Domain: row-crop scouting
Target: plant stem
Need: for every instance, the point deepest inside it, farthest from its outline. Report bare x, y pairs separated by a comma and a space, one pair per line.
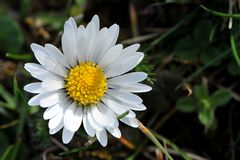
149, 134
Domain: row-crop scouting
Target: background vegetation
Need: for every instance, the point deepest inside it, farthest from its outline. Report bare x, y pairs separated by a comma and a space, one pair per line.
191, 49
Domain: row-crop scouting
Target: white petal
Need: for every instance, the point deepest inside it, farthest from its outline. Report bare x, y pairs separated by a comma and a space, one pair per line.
52, 99
136, 88
69, 41
34, 87
131, 114
101, 37
119, 107
78, 116
35, 47
92, 122
113, 34
49, 63
111, 55
125, 96
113, 121
67, 135
95, 20
50, 112
88, 128
128, 78
55, 121
99, 117
52, 85
91, 36
39, 72
36, 100
130, 49
130, 121
57, 54
113, 105
115, 132
102, 137
69, 117
110, 40
138, 107
58, 119
57, 128
50, 50
123, 65
82, 44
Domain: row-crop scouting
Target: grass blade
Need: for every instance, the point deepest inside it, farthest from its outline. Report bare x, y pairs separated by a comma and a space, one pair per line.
11, 152
170, 31
234, 48
220, 14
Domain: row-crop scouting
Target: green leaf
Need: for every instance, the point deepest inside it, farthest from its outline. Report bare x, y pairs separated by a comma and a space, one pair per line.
186, 49
201, 92
3, 141
11, 152
206, 117
219, 57
122, 115
186, 104
184, 21
25, 6
52, 19
234, 48
22, 108
205, 103
233, 69
80, 2
15, 88
202, 33
11, 37
19, 56
220, 14
209, 54
178, 1
10, 100
220, 97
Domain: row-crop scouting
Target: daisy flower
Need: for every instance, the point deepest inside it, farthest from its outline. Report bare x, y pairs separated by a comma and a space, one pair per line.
87, 83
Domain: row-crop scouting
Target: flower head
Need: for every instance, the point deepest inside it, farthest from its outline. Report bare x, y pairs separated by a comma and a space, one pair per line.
88, 82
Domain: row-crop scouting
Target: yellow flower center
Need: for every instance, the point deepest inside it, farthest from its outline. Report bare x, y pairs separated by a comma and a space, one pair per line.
86, 83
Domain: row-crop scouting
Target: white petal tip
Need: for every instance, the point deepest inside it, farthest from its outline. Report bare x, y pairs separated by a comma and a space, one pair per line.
95, 18
104, 144
67, 136
71, 19
25, 88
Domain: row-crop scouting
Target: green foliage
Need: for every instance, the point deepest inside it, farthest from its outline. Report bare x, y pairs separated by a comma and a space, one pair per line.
186, 105
10, 100
201, 92
220, 14
16, 56
220, 97
198, 45
233, 69
11, 152
52, 19
232, 38
25, 6
11, 37
4, 142
42, 136
234, 48
204, 104
16, 103
147, 67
